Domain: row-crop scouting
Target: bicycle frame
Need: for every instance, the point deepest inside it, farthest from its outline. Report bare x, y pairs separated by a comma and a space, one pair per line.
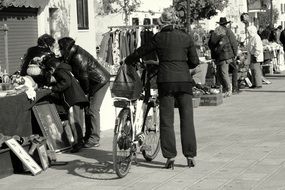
138, 107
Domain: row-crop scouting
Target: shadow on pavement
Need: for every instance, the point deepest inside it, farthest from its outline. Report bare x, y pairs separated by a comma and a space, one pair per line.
155, 164
101, 168
267, 91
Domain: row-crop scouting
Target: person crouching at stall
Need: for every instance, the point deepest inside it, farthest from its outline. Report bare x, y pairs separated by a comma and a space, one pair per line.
70, 92
31, 63
94, 80
255, 52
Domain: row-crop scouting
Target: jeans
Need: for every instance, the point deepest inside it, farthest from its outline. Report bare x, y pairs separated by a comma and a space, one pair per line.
167, 134
93, 115
256, 74
223, 75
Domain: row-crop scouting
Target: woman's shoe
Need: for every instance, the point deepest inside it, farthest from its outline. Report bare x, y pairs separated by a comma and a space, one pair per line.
191, 162
169, 163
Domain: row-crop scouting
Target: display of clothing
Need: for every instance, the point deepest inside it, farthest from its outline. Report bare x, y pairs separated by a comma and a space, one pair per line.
117, 45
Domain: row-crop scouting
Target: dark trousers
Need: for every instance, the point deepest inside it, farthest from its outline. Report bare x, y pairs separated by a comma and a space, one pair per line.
223, 75
93, 115
234, 68
167, 134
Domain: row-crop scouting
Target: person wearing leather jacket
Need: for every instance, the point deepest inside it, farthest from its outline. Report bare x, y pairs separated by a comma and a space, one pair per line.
94, 80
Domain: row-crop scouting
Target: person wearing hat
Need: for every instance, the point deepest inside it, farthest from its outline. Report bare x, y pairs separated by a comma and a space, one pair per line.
224, 48
177, 54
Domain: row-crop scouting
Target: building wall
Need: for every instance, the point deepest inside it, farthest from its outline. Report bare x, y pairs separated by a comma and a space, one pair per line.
280, 5
64, 19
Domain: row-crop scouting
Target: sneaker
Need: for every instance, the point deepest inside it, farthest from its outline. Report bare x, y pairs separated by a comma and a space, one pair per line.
89, 144
235, 92
227, 94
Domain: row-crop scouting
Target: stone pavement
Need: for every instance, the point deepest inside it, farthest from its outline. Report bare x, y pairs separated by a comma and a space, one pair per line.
241, 145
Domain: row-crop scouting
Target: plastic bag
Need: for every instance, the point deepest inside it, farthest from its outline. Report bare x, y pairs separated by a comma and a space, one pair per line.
127, 83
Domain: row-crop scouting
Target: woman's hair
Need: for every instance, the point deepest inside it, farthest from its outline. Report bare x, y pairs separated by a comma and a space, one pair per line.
66, 43
46, 40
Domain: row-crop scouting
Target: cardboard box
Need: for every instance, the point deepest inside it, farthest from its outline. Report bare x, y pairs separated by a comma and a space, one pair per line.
196, 102
211, 99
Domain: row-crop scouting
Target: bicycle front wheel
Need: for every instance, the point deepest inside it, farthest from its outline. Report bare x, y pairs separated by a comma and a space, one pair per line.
152, 136
122, 143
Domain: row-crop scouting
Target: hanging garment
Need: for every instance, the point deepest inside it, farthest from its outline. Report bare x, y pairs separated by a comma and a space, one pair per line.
116, 48
109, 57
104, 46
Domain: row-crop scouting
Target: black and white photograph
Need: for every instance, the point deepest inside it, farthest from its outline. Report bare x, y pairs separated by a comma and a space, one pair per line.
143, 94
51, 126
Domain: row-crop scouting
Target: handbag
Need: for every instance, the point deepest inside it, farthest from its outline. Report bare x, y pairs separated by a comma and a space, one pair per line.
127, 83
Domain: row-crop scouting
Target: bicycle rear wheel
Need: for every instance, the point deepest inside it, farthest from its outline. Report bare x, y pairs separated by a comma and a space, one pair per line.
151, 145
122, 143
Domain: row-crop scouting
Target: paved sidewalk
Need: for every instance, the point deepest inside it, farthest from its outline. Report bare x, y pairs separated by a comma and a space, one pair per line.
241, 145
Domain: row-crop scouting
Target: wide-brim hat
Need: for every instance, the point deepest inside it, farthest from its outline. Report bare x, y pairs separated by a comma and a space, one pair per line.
168, 16
223, 21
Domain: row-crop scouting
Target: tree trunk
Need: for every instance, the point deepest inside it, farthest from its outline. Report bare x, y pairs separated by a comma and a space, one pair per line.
188, 17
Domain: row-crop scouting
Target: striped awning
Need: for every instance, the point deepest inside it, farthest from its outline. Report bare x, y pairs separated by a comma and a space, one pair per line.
25, 3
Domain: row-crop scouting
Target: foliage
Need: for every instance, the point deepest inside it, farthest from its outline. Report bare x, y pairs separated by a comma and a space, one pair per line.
199, 9
265, 17
1, 4
114, 6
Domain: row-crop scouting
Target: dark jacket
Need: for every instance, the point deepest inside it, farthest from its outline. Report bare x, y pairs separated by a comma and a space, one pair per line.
86, 69
176, 53
223, 48
67, 86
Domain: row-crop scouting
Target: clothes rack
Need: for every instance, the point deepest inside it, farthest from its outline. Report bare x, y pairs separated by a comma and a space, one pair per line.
134, 26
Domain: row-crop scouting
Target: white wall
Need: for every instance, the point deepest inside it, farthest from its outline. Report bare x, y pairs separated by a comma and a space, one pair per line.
84, 38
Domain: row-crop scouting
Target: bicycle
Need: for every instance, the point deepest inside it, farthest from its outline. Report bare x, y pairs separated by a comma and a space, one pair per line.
136, 127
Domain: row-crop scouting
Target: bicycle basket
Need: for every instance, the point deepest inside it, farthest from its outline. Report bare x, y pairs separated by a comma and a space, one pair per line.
127, 83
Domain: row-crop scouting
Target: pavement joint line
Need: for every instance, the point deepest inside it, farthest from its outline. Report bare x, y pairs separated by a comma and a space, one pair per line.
254, 163
267, 177
243, 171
227, 163
133, 181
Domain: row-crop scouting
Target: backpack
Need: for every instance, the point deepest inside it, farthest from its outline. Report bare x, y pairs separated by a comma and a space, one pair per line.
222, 43
219, 43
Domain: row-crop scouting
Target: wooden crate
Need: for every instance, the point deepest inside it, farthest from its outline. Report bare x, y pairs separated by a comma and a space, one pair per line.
196, 102
6, 166
211, 99
210, 81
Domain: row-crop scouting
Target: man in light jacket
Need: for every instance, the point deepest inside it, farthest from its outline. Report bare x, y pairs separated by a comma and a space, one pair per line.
255, 55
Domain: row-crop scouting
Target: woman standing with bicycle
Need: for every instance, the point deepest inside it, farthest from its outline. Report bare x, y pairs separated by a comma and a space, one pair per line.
177, 54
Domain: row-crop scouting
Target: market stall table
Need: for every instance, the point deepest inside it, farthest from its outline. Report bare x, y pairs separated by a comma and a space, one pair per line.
16, 114
16, 119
